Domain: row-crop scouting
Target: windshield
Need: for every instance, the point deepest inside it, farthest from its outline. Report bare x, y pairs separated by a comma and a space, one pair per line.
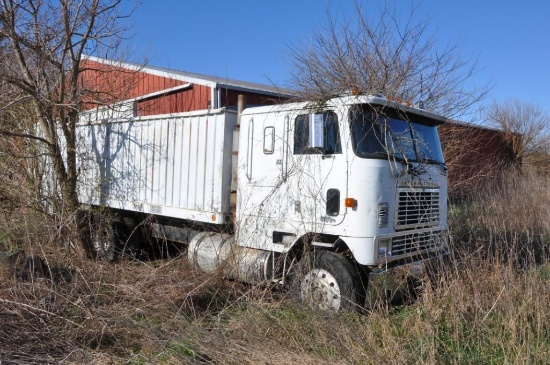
382, 133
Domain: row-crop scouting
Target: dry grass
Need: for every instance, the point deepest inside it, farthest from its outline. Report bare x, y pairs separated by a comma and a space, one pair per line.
483, 309
510, 218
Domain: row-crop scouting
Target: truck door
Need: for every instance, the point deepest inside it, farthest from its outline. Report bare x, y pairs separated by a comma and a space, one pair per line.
259, 208
317, 173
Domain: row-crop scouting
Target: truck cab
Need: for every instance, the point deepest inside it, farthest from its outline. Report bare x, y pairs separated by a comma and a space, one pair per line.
358, 182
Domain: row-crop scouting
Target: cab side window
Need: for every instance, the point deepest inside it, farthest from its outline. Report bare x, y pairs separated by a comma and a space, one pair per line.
328, 134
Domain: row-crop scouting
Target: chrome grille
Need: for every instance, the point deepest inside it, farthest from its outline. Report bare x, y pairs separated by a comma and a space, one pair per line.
417, 208
416, 243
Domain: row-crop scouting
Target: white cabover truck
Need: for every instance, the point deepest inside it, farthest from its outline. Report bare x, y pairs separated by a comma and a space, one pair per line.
338, 197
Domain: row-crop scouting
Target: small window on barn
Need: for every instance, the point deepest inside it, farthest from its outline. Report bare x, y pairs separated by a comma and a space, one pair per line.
269, 140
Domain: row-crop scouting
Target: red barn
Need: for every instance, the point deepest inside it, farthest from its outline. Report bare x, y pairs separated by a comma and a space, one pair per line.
474, 154
160, 91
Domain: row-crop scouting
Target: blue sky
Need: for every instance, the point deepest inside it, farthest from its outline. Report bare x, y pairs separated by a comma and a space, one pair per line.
248, 40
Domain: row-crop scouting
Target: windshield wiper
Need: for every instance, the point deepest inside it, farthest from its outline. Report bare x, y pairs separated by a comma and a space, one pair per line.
433, 162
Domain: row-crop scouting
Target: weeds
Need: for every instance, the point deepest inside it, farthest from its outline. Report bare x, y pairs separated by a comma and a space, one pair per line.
509, 219
489, 306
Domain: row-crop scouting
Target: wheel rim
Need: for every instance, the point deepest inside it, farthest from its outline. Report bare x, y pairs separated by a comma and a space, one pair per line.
320, 290
103, 244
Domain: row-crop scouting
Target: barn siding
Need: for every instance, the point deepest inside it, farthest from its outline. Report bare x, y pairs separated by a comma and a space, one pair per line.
110, 84
473, 155
199, 98
196, 98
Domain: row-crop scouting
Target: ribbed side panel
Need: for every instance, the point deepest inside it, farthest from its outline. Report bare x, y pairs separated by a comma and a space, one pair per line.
177, 166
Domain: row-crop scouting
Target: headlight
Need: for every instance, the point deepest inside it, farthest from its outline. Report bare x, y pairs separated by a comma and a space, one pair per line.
384, 248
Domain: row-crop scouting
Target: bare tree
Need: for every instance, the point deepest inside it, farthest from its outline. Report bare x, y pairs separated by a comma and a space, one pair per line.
527, 129
387, 54
43, 44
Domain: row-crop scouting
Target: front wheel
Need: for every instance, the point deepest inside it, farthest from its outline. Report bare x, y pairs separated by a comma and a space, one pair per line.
331, 283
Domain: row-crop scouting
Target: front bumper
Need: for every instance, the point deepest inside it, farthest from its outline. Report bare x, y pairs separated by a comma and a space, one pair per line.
400, 245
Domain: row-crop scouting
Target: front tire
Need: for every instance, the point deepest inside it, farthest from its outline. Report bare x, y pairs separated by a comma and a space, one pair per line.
331, 283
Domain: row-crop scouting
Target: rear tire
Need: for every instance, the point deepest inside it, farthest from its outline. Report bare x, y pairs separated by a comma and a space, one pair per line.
103, 237
331, 283
128, 237
115, 237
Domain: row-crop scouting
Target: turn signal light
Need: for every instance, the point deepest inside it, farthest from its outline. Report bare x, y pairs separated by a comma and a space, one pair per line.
350, 203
